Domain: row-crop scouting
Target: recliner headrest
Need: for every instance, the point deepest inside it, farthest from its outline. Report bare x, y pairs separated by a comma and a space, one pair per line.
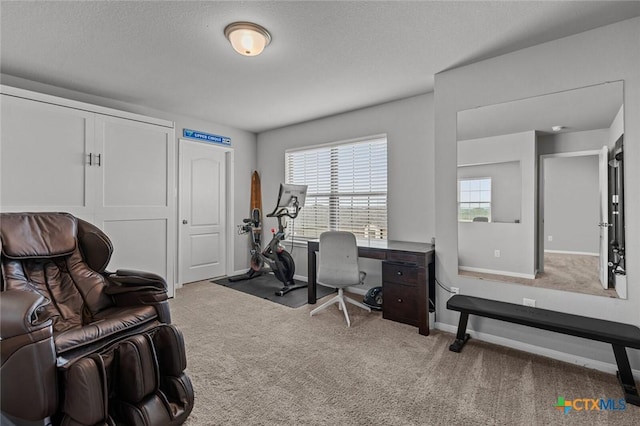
37, 235
96, 247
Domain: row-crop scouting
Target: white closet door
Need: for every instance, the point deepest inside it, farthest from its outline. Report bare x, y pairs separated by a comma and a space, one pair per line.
44, 156
136, 194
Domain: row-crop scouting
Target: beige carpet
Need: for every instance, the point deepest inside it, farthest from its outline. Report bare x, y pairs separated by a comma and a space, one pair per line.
254, 362
567, 272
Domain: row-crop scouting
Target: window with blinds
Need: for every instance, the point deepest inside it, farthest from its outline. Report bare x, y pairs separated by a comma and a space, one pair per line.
347, 188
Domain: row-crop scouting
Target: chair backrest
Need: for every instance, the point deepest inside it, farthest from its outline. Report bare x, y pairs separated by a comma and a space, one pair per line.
338, 259
59, 257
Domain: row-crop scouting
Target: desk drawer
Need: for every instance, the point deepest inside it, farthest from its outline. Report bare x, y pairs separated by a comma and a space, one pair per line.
400, 303
400, 273
399, 256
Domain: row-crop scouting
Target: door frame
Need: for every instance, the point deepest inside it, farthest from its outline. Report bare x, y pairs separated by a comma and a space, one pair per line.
229, 211
541, 193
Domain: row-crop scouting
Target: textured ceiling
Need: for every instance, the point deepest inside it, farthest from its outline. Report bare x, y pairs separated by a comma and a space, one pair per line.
325, 57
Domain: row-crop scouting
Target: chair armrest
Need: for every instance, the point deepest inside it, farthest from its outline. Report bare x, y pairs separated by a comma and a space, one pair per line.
127, 281
19, 311
133, 288
27, 357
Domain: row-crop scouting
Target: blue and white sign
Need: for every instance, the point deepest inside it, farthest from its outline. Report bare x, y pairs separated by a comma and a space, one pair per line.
206, 137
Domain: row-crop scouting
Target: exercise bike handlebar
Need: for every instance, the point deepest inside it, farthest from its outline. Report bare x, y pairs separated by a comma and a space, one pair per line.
284, 211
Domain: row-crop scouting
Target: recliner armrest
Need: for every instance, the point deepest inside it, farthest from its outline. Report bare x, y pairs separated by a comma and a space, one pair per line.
126, 281
132, 288
20, 313
27, 357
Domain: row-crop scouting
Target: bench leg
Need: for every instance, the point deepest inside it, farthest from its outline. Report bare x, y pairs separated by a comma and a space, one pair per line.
461, 336
625, 375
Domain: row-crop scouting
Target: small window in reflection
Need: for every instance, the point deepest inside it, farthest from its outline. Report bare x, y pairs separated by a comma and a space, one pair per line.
474, 200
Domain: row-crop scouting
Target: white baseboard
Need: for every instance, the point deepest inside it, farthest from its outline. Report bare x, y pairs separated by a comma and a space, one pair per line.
496, 272
300, 278
240, 272
581, 253
537, 350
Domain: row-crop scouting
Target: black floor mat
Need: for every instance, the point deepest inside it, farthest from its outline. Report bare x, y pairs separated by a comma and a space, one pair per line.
266, 285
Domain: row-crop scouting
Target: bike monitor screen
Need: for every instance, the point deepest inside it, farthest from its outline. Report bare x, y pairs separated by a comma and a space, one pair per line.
288, 192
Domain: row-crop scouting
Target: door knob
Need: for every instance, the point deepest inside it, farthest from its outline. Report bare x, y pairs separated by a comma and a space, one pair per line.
184, 221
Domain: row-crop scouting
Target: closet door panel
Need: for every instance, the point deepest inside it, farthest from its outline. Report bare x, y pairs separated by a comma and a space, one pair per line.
44, 157
134, 247
135, 164
135, 194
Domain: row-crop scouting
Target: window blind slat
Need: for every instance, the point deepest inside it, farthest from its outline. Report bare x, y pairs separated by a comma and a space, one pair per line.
347, 188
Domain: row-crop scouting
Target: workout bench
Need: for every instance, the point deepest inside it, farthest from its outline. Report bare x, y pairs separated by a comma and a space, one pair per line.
619, 335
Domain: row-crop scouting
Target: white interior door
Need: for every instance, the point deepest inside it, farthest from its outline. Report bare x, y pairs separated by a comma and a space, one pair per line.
202, 211
604, 216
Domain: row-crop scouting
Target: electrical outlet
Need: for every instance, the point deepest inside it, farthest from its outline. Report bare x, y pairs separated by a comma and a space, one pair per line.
454, 290
550, 238
529, 302
496, 253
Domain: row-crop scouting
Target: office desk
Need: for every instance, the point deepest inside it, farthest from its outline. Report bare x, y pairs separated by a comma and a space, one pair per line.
405, 265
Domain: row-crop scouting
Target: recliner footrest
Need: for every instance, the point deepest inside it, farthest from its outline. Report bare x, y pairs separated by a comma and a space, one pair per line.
86, 395
172, 361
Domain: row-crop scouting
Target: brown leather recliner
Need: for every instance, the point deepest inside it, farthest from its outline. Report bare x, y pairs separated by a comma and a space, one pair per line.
79, 345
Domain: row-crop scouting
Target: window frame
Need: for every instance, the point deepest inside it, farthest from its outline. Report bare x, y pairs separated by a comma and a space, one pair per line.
489, 203
334, 195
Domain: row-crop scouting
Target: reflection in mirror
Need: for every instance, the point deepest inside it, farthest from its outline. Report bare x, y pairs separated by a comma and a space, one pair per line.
540, 191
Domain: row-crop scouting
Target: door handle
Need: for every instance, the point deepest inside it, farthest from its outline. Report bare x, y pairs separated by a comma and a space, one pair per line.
184, 221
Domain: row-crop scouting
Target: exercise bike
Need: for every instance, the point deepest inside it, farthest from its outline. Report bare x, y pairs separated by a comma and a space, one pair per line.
291, 199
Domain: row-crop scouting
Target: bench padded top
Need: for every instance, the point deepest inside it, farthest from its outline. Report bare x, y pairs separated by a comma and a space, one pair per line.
616, 333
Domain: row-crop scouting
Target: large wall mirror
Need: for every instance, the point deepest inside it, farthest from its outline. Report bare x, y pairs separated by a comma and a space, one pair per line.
541, 191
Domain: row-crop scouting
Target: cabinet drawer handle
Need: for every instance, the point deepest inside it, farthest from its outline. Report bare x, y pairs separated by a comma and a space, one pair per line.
90, 159
399, 273
399, 300
98, 160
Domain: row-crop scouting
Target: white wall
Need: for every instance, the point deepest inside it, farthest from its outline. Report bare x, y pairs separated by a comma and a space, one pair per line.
572, 204
242, 142
573, 141
608, 53
617, 127
516, 242
408, 124
506, 188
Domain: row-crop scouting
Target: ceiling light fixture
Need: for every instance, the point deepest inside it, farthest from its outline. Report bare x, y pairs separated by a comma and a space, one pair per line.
557, 128
247, 38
